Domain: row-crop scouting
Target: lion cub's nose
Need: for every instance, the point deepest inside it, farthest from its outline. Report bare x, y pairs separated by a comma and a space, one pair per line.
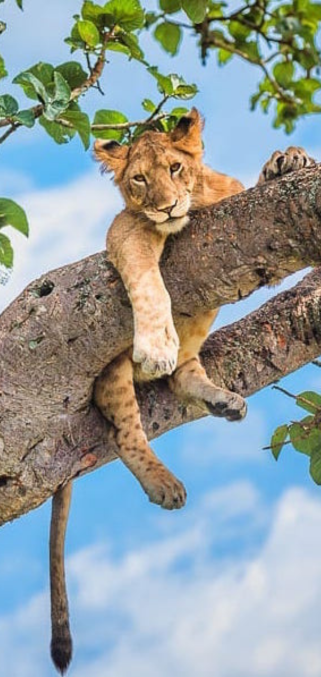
167, 208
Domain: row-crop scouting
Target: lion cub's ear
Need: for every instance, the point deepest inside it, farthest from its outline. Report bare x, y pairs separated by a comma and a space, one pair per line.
112, 155
187, 135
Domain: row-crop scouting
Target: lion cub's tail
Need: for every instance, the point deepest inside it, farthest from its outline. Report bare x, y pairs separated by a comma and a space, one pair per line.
61, 642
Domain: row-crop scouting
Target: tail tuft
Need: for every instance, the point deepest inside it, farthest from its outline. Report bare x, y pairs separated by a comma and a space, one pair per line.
61, 651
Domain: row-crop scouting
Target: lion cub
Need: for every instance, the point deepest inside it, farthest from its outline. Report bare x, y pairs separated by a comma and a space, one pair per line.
161, 177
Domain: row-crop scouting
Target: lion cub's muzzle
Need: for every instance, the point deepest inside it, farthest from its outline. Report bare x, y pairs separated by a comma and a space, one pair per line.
171, 217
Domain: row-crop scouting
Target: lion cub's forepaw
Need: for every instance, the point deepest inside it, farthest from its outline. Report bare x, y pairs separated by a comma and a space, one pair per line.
157, 353
226, 404
282, 163
163, 488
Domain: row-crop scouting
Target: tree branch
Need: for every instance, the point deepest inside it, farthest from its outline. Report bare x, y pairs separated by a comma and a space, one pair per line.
57, 336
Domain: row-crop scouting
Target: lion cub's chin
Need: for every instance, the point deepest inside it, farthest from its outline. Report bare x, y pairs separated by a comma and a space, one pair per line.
172, 225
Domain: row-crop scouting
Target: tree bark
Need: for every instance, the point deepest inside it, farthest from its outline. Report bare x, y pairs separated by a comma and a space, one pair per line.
59, 333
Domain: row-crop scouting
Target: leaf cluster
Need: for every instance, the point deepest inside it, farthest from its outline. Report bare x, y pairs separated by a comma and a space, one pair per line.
11, 214
303, 435
279, 38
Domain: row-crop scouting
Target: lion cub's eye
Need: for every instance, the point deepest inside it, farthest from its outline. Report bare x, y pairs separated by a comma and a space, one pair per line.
139, 178
175, 167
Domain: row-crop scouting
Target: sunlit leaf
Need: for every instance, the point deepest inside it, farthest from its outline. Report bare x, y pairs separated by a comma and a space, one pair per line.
80, 122
11, 214
169, 36
88, 32
277, 441
6, 251
128, 14
8, 106
73, 73
109, 117
310, 401
195, 9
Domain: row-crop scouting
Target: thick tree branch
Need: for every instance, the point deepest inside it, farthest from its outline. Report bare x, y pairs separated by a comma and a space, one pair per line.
56, 337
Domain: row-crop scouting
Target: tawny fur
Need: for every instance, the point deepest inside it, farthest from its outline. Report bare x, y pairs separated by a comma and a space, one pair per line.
161, 177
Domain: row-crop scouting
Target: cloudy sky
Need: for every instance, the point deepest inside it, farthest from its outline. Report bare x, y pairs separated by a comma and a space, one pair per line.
231, 585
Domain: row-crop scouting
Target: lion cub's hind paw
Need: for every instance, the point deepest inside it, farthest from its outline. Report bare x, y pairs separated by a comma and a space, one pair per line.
281, 163
164, 489
230, 406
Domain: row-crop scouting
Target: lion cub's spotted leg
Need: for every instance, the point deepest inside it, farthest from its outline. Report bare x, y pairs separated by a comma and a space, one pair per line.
190, 381
116, 399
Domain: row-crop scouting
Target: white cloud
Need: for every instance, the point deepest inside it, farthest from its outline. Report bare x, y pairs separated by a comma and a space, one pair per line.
213, 440
189, 603
66, 223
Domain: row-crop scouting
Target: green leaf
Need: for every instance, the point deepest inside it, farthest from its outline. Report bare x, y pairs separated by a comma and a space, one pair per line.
185, 91
57, 132
109, 117
300, 435
172, 85
251, 49
43, 72
305, 87
62, 90
278, 438
216, 10
88, 32
283, 73
170, 6
164, 82
178, 112
148, 105
195, 9
33, 87
73, 73
91, 12
6, 251
3, 70
11, 214
315, 466
169, 36
150, 19
25, 117
223, 56
310, 401
54, 109
80, 122
19, 3
239, 31
128, 14
75, 39
8, 106
119, 47
133, 45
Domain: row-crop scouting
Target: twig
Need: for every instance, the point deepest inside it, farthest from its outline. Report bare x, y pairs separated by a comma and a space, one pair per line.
285, 392
8, 132
127, 125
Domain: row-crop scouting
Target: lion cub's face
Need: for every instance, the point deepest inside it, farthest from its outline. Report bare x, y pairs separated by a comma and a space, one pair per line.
157, 173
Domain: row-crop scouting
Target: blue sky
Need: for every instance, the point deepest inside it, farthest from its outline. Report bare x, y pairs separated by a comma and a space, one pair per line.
231, 585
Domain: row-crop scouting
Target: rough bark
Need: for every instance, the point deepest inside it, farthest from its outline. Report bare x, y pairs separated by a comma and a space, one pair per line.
56, 337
